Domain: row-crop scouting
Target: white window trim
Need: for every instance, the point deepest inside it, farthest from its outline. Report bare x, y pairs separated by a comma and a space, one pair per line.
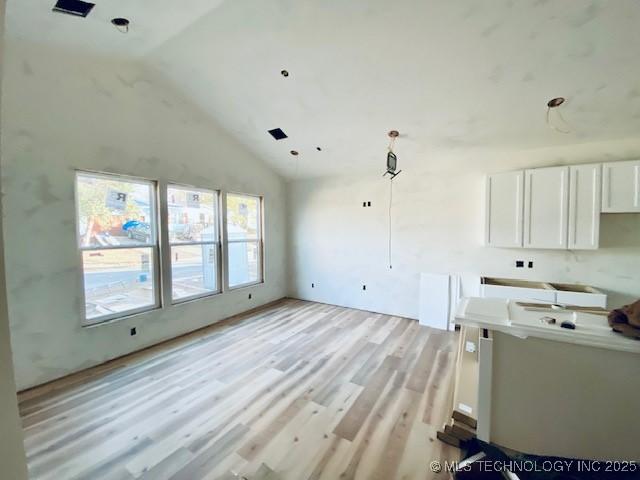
155, 248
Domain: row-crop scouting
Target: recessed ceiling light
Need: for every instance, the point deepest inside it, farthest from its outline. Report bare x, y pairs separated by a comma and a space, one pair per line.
284, 73
121, 24
294, 152
555, 102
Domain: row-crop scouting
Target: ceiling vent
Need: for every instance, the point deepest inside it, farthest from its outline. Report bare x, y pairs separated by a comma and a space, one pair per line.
73, 7
278, 134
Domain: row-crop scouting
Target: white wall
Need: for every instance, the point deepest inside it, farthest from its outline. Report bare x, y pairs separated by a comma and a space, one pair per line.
438, 226
62, 112
12, 455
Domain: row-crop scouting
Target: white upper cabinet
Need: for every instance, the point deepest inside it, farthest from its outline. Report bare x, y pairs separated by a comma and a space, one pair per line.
585, 184
621, 187
504, 209
546, 207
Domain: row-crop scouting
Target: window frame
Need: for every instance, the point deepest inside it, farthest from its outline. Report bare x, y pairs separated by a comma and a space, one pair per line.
154, 246
218, 242
259, 241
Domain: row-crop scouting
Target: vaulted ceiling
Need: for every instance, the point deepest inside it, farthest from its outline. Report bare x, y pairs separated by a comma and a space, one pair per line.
448, 75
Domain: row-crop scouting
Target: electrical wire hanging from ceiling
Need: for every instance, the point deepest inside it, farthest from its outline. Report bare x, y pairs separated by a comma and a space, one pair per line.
553, 104
390, 220
295, 154
392, 165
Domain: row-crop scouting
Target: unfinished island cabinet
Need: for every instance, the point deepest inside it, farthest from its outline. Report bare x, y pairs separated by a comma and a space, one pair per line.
585, 194
546, 207
512, 289
504, 197
580, 295
621, 187
532, 291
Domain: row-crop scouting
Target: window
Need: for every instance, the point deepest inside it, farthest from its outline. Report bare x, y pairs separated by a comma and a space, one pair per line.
244, 240
117, 237
194, 242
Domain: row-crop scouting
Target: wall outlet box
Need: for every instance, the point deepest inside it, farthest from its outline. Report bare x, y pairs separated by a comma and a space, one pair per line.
470, 347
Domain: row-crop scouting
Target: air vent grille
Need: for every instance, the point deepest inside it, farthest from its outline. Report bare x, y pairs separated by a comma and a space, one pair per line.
77, 8
278, 134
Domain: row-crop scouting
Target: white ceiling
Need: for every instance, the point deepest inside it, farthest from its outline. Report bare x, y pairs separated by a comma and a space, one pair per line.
153, 22
447, 74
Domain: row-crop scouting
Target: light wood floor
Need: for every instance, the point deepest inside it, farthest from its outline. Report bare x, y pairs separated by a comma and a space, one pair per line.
296, 391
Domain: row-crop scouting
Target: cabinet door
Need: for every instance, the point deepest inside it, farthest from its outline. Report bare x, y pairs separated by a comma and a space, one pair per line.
546, 194
621, 187
585, 193
504, 209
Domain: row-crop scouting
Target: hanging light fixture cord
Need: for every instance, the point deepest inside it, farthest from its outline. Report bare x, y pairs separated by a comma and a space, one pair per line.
559, 115
392, 142
390, 218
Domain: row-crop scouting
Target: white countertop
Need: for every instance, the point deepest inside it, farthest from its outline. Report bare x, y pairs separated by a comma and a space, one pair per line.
507, 317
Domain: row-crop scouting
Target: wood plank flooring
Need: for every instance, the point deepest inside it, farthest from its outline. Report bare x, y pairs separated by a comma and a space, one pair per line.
298, 390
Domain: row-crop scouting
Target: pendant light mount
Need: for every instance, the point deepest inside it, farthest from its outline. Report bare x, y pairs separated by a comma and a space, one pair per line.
392, 160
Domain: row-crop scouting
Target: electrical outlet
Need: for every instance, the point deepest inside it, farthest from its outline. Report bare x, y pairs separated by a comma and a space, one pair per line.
133, 332
519, 263
364, 204
530, 265
368, 204
364, 287
249, 296
313, 285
